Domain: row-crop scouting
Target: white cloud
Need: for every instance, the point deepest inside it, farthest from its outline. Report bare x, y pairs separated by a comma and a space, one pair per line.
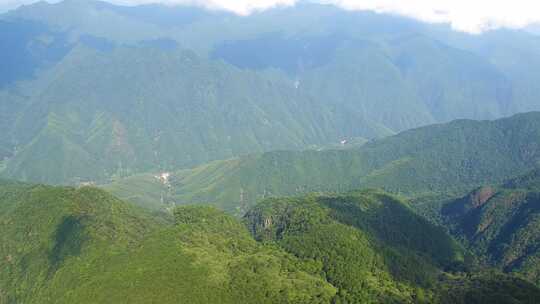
465, 15
241, 7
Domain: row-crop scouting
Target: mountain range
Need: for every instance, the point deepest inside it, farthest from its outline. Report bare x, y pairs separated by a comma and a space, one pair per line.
111, 91
428, 164
500, 223
69, 245
300, 154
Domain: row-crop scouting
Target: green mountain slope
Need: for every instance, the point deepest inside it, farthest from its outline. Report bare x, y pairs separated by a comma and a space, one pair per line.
160, 109
83, 17
374, 249
501, 224
514, 54
69, 245
63, 245
448, 159
488, 288
114, 91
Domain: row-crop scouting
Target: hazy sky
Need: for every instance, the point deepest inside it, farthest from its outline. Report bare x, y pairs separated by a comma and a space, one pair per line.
465, 15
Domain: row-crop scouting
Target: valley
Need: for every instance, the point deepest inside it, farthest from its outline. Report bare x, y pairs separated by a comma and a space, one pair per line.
305, 152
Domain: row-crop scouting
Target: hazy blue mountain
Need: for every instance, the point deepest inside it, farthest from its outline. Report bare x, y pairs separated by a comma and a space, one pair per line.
137, 109
113, 91
26, 47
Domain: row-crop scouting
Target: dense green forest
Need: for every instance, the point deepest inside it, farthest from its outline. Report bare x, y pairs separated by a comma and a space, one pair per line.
81, 245
501, 224
372, 247
428, 164
300, 154
92, 91
64, 245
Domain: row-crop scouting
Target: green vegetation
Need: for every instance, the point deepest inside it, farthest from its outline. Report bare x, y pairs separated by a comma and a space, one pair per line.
488, 288
429, 164
147, 122
501, 224
69, 245
151, 192
93, 91
64, 245
371, 246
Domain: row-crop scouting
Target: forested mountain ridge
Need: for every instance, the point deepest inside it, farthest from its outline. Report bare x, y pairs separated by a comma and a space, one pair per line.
65, 245
447, 159
114, 91
68, 245
500, 224
373, 248
358, 222
203, 112
299, 154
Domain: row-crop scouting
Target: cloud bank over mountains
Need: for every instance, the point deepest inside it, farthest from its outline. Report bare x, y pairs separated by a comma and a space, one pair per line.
464, 15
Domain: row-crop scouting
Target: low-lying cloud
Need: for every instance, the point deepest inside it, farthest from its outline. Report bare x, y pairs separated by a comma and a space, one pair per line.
465, 15
473, 16
241, 7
